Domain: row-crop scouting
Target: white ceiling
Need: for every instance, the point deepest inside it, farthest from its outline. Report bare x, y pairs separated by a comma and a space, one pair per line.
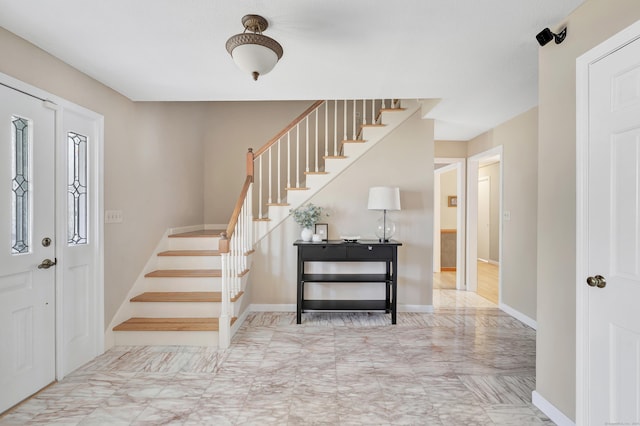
478, 56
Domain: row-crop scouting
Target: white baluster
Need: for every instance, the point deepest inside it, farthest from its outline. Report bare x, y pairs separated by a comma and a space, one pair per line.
306, 141
373, 112
354, 120
269, 170
317, 148
260, 187
298, 155
335, 127
364, 111
289, 159
279, 171
345, 120
326, 128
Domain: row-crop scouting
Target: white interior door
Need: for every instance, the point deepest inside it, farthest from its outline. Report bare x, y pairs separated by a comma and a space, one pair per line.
27, 285
484, 218
612, 243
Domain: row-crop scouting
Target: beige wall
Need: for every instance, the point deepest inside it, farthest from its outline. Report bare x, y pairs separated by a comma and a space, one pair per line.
450, 149
232, 128
592, 23
398, 160
448, 186
519, 140
152, 160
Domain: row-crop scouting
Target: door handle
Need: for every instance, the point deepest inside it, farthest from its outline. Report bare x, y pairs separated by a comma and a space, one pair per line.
597, 281
47, 263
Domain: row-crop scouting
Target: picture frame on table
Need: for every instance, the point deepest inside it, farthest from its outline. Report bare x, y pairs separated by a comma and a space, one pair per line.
322, 229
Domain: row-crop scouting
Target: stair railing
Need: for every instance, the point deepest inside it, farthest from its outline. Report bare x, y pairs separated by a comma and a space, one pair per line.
235, 243
300, 149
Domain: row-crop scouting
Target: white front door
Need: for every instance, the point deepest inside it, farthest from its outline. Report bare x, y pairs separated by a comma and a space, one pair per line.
78, 271
27, 241
612, 243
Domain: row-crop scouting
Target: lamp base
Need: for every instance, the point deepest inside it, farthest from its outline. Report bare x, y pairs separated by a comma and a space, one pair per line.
385, 229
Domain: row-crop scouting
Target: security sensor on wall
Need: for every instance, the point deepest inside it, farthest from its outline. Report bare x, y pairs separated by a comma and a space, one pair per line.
545, 36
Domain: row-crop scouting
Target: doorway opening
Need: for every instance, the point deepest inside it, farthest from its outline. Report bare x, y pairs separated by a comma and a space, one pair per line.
484, 224
449, 223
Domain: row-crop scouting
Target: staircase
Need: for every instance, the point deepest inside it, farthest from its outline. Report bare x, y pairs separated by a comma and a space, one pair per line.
179, 302
193, 292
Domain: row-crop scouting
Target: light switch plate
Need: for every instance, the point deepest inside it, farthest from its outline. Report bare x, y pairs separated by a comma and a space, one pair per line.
113, 216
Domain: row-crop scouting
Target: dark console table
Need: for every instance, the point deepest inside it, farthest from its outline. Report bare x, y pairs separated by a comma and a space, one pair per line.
341, 251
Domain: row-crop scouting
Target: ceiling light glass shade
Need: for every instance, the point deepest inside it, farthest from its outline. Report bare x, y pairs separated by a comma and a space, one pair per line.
254, 59
253, 52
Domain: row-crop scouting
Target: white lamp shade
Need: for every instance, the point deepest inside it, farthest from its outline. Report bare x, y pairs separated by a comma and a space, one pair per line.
254, 58
384, 198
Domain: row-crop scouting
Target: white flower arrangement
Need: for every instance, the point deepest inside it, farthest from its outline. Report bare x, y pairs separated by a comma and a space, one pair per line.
307, 215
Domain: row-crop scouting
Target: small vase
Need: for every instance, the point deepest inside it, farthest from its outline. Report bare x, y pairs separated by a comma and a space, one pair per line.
306, 234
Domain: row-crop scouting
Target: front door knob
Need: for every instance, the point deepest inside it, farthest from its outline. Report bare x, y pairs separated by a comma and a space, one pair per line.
597, 281
47, 263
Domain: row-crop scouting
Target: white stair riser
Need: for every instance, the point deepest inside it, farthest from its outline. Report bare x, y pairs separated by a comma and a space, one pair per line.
183, 284
189, 262
203, 243
175, 309
166, 338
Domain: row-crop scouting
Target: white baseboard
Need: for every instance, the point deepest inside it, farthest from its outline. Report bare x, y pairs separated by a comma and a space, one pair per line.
416, 308
236, 325
550, 410
292, 308
519, 316
493, 262
272, 308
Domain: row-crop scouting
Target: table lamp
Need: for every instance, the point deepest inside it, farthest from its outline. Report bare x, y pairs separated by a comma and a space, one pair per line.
384, 198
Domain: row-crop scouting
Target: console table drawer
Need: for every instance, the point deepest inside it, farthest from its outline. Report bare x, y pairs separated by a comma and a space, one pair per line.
324, 252
369, 252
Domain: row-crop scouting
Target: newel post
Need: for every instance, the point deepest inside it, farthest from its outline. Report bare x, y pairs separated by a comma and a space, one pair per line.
250, 163
224, 324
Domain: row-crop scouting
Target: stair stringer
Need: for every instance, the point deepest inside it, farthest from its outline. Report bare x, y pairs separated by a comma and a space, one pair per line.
335, 166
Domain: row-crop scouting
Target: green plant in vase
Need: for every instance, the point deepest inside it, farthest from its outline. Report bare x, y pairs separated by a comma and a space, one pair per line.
307, 215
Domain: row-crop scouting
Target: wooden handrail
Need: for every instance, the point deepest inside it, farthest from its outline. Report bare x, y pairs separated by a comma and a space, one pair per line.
231, 227
284, 131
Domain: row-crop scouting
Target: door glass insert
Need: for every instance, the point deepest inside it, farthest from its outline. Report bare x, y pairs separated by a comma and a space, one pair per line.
77, 189
20, 185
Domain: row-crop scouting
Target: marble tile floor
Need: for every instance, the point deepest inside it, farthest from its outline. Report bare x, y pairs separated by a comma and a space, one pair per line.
456, 366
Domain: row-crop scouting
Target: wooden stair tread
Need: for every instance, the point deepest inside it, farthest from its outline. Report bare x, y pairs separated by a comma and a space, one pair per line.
202, 233
278, 204
316, 173
334, 157
354, 141
297, 189
372, 125
186, 273
182, 296
170, 324
189, 253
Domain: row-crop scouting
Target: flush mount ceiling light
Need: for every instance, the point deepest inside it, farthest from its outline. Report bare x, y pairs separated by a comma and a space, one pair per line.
253, 52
